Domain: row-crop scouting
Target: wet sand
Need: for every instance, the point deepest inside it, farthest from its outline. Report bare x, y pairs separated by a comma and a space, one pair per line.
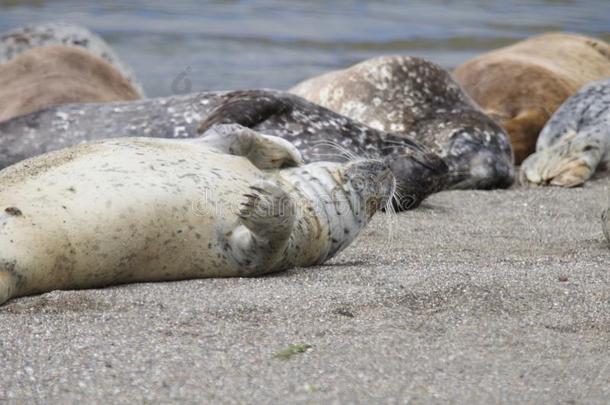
476, 297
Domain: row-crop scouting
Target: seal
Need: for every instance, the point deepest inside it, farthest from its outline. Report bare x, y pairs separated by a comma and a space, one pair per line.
318, 133
522, 85
418, 98
53, 75
235, 203
20, 40
575, 142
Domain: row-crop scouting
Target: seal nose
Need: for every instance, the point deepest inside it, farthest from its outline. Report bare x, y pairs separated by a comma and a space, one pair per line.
488, 171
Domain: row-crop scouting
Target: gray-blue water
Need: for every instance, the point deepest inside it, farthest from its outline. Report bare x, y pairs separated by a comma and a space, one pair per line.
271, 43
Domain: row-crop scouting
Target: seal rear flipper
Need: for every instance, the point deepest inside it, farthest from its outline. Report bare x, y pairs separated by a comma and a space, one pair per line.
264, 151
267, 218
247, 108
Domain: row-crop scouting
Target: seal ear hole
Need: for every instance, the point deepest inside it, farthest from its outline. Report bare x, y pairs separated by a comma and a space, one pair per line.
587, 148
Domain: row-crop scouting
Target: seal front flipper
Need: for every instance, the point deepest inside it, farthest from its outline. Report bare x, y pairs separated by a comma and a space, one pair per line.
267, 218
264, 151
567, 164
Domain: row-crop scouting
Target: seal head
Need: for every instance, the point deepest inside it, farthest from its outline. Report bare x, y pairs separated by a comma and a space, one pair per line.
477, 157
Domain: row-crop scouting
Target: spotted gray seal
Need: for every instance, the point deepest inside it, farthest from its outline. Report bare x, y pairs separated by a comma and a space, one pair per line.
575, 142
318, 133
522, 85
235, 203
417, 98
15, 42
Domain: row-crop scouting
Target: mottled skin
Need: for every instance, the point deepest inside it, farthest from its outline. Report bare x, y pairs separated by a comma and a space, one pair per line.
143, 209
15, 42
308, 126
53, 75
414, 97
477, 153
575, 142
522, 85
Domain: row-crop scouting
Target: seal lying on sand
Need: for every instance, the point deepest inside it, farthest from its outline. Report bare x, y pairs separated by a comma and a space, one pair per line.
53, 75
15, 42
522, 85
575, 141
317, 132
144, 209
415, 97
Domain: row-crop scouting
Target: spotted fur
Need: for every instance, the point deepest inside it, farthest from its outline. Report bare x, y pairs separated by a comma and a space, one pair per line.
575, 143
318, 133
418, 99
143, 209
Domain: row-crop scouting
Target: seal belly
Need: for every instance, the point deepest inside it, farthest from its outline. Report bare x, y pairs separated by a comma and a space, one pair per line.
118, 212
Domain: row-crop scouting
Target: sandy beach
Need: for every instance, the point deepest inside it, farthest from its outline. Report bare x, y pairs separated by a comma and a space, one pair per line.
476, 297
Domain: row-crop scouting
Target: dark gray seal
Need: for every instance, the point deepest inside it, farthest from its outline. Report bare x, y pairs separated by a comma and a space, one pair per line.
318, 133
417, 98
15, 42
575, 142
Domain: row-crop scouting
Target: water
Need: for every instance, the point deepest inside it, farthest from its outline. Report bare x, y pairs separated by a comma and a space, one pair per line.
275, 44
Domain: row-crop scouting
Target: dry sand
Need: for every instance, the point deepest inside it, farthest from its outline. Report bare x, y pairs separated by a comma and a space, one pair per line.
479, 297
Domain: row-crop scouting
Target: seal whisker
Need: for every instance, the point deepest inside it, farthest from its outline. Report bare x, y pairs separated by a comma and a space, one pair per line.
397, 143
390, 211
325, 156
340, 153
340, 148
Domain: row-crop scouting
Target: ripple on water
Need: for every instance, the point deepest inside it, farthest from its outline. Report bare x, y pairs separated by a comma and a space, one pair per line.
274, 43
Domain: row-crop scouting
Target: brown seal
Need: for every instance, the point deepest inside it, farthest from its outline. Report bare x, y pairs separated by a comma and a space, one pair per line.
522, 85
47, 76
